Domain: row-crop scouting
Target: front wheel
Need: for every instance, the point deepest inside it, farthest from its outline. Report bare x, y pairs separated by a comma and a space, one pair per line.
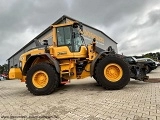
112, 73
42, 79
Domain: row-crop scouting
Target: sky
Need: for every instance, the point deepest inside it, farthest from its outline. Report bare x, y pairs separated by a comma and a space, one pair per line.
133, 24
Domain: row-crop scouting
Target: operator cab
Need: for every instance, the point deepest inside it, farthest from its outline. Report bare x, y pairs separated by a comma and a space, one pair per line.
70, 36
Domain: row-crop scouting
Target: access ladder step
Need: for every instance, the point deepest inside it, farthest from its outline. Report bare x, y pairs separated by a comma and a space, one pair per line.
65, 72
64, 64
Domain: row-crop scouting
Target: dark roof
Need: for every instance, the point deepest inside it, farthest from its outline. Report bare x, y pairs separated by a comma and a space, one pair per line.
49, 28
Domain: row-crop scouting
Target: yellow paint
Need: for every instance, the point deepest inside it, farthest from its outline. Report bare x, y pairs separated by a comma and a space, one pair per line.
86, 72
113, 72
62, 25
68, 53
69, 21
91, 53
23, 79
64, 65
32, 53
15, 73
68, 66
40, 79
54, 38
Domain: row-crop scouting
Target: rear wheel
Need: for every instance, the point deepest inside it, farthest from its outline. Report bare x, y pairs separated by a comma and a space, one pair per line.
42, 79
112, 73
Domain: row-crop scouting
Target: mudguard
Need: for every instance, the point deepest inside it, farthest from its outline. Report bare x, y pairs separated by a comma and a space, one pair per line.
95, 60
32, 58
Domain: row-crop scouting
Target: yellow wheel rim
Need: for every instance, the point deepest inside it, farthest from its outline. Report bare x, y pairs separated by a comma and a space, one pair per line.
113, 72
40, 79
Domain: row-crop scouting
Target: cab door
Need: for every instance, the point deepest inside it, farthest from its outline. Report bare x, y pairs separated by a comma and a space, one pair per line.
64, 47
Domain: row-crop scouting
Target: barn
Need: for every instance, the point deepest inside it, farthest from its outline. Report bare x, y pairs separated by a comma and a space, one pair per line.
103, 41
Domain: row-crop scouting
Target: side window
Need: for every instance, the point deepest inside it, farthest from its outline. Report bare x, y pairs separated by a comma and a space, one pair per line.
60, 36
77, 43
129, 59
67, 35
64, 37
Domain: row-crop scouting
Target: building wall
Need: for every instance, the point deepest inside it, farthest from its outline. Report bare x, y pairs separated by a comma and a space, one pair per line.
102, 41
14, 61
47, 36
32, 45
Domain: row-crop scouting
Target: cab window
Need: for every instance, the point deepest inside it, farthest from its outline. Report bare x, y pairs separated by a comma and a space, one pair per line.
64, 36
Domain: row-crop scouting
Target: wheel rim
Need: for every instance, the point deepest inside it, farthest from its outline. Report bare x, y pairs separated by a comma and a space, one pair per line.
113, 72
40, 79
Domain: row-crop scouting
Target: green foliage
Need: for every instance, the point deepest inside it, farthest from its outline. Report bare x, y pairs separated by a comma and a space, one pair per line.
155, 56
3, 68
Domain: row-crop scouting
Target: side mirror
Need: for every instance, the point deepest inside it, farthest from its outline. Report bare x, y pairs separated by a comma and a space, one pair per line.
45, 42
75, 25
94, 43
110, 48
81, 27
94, 39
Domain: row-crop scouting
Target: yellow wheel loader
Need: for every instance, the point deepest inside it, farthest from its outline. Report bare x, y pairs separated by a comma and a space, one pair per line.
46, 67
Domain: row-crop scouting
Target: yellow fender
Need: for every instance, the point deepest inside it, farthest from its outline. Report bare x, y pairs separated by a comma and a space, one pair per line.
15, 73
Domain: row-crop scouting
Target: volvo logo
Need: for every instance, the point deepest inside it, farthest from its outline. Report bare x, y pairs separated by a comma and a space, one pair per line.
62, 53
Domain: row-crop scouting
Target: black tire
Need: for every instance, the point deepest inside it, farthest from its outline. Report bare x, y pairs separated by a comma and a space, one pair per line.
148, 69
94, 76
106, 83
52, 83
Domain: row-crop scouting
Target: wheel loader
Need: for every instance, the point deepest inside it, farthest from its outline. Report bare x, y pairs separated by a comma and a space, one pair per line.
46, 67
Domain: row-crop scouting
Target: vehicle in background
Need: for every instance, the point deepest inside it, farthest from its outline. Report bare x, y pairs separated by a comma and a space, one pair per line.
137, 69
5, 76
157, 63
1, 77
150, 64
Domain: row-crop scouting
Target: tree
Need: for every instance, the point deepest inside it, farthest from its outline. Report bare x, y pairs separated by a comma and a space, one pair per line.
155, 56
4, 68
